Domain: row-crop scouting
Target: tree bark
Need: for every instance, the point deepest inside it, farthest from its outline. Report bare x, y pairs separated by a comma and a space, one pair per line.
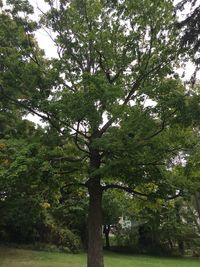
95, 246
106, 233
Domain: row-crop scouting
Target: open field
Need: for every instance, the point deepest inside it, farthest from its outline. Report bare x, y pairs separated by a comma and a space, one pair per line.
28, 258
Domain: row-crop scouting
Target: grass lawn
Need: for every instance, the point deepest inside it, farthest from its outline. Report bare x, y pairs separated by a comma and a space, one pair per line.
28, 258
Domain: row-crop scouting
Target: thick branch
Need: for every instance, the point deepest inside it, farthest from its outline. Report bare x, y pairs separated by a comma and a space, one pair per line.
76, 139
162, 127
157, 132
107, 71
124, 188
136, 193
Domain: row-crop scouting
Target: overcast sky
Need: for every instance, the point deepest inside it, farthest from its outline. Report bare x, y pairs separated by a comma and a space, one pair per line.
44, 40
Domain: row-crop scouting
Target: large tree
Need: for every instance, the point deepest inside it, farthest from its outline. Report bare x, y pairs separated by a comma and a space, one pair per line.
110, 92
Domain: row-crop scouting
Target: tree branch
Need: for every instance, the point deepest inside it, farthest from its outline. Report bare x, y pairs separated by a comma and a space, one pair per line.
163, 125
157, 132
19, 103
68, 159
136, 193
124, 188
75, 184
135, 86
77, 132
46, 117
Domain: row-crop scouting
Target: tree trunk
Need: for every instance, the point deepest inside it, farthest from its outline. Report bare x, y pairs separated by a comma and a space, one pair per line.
106, 231
197, 203
181, 247
95, 246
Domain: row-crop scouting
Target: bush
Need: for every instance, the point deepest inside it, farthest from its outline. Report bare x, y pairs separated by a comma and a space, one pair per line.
65, 239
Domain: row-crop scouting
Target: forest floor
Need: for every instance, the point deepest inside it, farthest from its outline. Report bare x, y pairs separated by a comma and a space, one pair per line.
10, 257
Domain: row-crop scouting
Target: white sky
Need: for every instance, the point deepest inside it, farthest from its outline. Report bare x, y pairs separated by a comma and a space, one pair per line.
43, 38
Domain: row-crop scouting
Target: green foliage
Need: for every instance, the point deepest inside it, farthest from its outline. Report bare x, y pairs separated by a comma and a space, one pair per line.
108, 67
112, 207
66, 239
115, 112
127, 240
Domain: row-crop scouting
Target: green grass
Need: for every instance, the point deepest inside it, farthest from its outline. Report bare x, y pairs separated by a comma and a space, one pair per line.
28, 258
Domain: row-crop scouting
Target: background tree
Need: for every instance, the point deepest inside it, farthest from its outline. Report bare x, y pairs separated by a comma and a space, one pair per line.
112, 210
31, 187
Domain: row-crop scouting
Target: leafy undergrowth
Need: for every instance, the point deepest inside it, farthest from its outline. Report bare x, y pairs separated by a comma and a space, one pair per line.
28, 258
